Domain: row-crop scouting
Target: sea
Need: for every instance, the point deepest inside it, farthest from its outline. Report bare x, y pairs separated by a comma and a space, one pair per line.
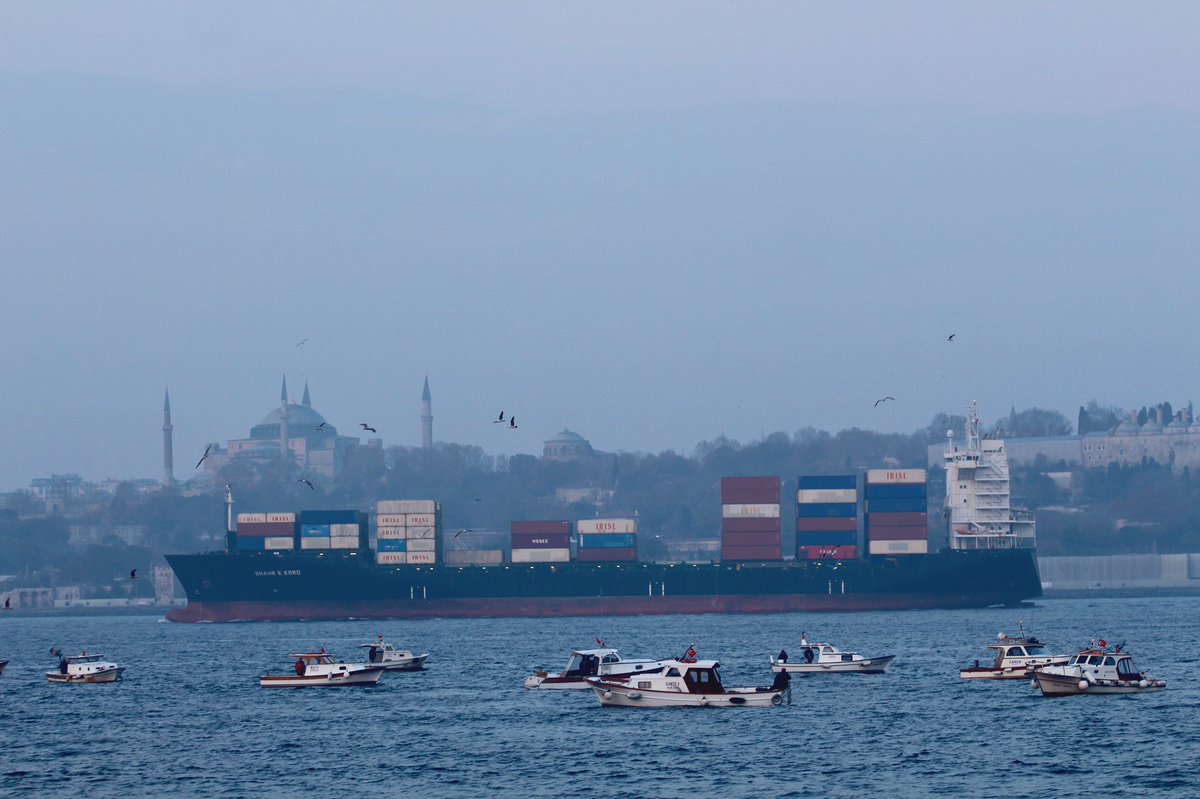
190, 719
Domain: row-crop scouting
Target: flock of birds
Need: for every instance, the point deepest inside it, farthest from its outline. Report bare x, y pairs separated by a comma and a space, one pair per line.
893, 399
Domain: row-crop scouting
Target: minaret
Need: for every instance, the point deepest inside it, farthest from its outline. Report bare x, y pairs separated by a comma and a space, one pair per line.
306, 402
283, 419
168, 454
426, 417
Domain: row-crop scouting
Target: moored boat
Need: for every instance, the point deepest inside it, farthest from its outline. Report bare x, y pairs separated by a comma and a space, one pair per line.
1095, 670
603, 662
820, 658
381, 653
3, 663
318, 669
1015, 657
85, 668
686, 682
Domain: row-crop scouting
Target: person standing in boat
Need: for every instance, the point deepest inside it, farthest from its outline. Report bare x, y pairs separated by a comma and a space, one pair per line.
782, 656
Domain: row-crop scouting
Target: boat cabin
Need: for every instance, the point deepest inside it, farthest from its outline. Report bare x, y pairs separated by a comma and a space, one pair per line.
1104, 664
309, 660
1013, 651
699, 677
589, 662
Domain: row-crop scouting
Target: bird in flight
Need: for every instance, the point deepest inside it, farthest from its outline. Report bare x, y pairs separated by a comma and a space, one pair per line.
366, 427
883, 399
499, 420
479, 499
951, 337
133, 574
302, 343
321, 426
512, 423
204, 457
460, 532
307, 483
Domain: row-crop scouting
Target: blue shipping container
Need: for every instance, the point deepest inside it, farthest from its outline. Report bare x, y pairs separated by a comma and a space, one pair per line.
251, 545
608, 540
827, 510
826, 539
885, 505
332, 517
896, 491
314, 531
818, 481
391, 545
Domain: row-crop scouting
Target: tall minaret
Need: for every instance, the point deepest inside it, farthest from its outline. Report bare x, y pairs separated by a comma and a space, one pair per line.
168, 454
284, 450
426, 417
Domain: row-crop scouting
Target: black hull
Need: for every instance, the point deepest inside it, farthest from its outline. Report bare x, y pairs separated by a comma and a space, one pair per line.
292, 587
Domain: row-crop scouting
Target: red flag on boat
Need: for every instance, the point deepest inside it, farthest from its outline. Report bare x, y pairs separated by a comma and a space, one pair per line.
690, 656
1103, 643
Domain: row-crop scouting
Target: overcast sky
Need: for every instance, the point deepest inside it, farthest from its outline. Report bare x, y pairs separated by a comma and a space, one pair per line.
653, 222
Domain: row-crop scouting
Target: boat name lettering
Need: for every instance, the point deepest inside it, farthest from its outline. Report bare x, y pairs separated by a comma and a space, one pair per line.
674, 686
278, 573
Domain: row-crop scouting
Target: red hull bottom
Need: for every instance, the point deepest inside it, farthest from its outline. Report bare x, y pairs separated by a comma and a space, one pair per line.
544, 607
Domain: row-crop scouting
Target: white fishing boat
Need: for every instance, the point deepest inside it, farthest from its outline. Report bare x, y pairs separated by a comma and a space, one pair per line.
318, 669
584, 663
687, 682
1095, 670
85, 668
381, 653
1014, 658
819, 658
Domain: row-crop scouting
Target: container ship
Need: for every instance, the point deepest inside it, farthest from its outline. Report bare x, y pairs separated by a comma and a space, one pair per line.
862, 543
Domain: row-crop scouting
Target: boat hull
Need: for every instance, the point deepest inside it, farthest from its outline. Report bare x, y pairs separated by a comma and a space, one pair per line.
865, 666
407, 664
1053, 685
99, 677
618, 695
361, 678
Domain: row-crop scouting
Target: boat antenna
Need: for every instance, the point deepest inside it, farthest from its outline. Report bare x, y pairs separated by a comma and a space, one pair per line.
228, 508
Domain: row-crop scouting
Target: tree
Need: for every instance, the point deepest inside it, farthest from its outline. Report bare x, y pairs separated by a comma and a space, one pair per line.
1037, 422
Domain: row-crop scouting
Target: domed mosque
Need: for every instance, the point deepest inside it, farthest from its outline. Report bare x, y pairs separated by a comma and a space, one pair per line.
567, 446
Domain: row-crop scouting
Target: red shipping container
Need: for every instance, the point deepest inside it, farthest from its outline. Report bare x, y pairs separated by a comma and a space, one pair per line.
750, 539
541, 527
826, 525
751, 553
897, 534
750, 484
757, 524
540, 540
750, 498
826, 553
897, 519
265, 529
607, 555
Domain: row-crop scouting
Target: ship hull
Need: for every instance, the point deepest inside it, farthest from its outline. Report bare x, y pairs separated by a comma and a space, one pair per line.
293, 587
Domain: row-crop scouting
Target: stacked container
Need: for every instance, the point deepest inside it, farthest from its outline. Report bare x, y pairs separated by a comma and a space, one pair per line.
474, 548
407, 532
540, 542
606, 540
750, 519
333, 529
827, 517
897, 523
266, 532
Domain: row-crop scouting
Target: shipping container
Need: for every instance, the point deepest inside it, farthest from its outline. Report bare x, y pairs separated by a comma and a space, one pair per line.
276, 543
607, 555
826, 525
608, 540
522, 555
250, 544
421, 558
540, 540
314, 531
750, 497
895, 476
750, 525
422, 545
909, 505
826, 496
841, 510
606, 526
420, 520
264, 529
391, 533
314, 543
391, 558
751, 553
827, 481
343, 543
897, 491
252, 518
897, 519
750, 511
826, 539
421, 532
405, 506
750, 484
897, 534
475, 557
281, 518
541, 527
826, 553
899, 548
390, 520
391, 545
332, 516
751, 539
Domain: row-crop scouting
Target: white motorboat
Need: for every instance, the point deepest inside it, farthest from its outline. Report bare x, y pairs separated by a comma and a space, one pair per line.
85, 668
1095, 670
687, 682
828, 659
584, 663
1015, 657
320, 670
381, 653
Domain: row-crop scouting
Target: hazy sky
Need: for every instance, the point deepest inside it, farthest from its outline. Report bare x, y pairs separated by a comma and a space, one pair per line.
655, 223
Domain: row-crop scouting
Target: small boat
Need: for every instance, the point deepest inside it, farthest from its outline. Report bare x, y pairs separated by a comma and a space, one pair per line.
320, 670
3, 663
381, 653
828, 659
584, 663
686, 682
1015, 657
1095, 670
85, 668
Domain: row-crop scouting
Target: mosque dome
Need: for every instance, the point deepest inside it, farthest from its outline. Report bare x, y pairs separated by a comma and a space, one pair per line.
567, 446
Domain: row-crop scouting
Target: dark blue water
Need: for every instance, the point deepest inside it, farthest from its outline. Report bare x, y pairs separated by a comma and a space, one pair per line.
190, 719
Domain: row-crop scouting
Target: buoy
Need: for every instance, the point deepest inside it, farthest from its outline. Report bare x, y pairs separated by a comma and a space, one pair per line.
1083, 685
1144, 684
777, 699
634, 695
608, 694
1033, 683
704, 700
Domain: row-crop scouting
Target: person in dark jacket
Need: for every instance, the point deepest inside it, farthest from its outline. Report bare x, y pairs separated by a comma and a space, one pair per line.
782, 656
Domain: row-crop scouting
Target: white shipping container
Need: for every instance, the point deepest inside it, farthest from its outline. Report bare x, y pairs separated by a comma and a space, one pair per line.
405, 506
391, 533
281, 518
541, 555
421, 532
876, 476
420, 520
343, 529
252, 518
390, 519
343, 541
899, 548
391, 558
606, 526
314, 543
750, 511
422, 558
422, 545
278, 542
826, 496
475, 557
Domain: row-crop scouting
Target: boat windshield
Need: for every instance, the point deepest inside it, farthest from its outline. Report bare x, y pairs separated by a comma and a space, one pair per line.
85, 659
1125, 667
1035, 649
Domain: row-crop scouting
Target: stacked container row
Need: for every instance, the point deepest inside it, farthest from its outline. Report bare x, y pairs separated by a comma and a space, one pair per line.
407, 532
333, 529
896, 519
540, 542
607, 540
750, 519
827, 517
265, 532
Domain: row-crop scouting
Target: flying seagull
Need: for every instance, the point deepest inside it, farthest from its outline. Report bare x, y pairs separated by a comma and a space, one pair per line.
307, 483
301, 344
133, 574
460, 532
500, 420
512, 423
321, 426
951, 337
479, 499
884, 399
204, 457
366, 427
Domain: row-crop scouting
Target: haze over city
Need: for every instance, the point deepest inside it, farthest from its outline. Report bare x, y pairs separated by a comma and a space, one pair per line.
655, 225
